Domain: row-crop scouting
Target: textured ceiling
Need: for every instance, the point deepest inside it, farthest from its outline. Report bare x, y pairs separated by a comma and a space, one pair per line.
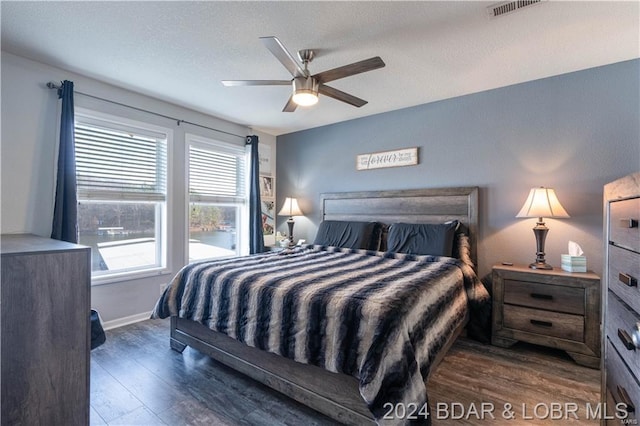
179, 51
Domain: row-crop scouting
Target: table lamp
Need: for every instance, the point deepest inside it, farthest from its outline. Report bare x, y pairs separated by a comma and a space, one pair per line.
542, 202
290, 208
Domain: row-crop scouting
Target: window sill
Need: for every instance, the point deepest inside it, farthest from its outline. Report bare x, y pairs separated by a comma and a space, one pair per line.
128, 276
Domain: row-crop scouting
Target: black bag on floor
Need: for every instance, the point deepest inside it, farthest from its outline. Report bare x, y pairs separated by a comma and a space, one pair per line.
97, 333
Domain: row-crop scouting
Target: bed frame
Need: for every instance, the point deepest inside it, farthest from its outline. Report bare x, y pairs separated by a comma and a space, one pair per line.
336, 395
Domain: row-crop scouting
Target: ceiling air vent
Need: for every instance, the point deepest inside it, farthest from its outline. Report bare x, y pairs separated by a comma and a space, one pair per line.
505, 8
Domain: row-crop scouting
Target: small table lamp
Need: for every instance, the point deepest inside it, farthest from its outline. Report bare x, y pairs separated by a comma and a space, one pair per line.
290, 208
542, 202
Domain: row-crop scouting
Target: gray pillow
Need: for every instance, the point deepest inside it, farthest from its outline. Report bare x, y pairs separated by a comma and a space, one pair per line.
422, 239
349, 234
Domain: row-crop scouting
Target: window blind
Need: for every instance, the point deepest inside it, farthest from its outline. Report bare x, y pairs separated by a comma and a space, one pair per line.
216, 175
119, 164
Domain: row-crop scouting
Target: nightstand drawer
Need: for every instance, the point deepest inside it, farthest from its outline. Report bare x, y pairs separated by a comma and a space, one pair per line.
624, 275
624, 217
555, 324
620, 382
544, 296
621, 322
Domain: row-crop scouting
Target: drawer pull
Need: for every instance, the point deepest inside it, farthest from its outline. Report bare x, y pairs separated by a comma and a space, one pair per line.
541, 296
627, 280
635, 335
628, 223
541, 323
624, 396
626, 340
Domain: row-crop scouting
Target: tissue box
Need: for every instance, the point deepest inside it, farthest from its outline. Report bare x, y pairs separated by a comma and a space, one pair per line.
573, 263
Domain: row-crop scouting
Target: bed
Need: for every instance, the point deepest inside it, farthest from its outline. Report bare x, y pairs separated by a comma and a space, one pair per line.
352, 332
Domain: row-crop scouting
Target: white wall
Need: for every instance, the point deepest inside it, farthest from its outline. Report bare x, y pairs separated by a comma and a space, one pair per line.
28, 161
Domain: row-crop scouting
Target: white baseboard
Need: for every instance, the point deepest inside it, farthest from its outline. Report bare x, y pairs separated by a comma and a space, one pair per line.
119, 322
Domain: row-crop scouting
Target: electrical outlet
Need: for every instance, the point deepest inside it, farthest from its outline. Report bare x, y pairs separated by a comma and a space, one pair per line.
163, 287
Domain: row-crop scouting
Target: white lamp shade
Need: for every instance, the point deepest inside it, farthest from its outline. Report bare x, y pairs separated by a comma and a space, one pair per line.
542, 202
290, 208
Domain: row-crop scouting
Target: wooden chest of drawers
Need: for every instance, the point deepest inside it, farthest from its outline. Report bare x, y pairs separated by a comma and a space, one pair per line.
621, 295
551, 308
46, 337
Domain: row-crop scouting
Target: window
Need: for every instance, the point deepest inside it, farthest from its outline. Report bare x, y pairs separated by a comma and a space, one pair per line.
218, 199
121, 168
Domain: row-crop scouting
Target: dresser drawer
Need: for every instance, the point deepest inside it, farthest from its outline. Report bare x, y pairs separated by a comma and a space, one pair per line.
544, 296
624, 275
555, 324
623, 225
621, 322
620, 382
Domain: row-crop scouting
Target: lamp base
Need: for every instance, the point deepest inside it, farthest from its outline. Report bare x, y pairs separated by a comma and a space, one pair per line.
290, 225
540, 232
540, 265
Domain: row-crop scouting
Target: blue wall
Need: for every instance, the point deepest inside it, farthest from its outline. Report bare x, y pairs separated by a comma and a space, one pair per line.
573, 132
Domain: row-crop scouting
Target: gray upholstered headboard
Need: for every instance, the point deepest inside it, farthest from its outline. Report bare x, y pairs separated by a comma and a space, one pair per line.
430, 205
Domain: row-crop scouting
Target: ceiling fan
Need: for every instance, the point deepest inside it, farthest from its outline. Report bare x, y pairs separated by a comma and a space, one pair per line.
306, 86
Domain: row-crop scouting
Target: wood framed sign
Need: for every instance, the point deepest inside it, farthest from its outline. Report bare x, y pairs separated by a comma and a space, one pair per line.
379, 160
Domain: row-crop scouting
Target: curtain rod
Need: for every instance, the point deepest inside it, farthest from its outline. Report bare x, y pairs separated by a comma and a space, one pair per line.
52, 85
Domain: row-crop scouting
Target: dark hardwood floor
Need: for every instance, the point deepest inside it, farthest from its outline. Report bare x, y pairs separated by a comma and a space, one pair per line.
136, 379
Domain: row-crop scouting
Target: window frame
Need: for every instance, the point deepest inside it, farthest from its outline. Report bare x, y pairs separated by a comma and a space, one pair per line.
163, 234
242, 219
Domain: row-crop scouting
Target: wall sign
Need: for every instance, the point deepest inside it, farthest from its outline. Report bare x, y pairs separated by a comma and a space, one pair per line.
264, 158
379, 160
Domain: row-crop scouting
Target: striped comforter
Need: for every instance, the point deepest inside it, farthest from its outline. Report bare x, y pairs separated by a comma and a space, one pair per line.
380, 317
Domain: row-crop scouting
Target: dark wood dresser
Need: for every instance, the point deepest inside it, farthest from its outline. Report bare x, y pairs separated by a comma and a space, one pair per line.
45, 300
621, 372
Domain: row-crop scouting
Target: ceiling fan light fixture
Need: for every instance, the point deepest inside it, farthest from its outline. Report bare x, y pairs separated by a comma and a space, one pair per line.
305, 98
307, 86
305, 91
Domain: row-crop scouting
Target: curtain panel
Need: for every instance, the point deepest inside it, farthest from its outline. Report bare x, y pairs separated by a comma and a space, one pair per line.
65, 212
256, 238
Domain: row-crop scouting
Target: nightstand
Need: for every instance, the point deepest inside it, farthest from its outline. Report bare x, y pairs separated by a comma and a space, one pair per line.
552, 308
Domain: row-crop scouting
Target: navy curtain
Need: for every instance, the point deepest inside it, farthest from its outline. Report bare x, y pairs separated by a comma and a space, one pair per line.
65, 212
256, 238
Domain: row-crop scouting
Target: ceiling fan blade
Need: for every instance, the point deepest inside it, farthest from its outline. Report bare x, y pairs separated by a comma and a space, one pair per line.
349, 70
277, 48
341, 96
256, 82
290, 106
